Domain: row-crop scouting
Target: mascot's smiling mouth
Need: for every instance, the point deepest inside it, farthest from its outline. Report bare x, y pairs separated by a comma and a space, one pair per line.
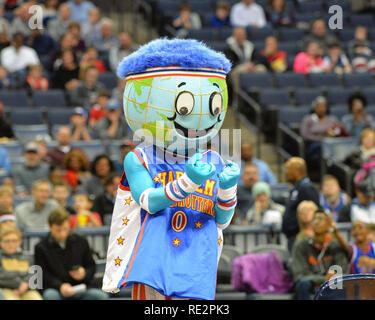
192, 133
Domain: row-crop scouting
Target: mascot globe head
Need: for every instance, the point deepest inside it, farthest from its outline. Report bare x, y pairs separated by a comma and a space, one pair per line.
175, 92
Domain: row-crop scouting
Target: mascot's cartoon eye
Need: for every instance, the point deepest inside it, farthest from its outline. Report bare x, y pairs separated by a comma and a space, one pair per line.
184, 103
216, 103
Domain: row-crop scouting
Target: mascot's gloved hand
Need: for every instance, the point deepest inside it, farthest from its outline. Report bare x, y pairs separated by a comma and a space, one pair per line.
198, 171
230, 175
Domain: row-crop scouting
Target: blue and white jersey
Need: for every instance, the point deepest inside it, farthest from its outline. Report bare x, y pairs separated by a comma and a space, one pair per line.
176, 250
362, 262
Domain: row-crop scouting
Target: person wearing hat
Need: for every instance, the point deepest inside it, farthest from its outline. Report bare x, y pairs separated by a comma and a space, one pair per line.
362, 208
264, 210
113, 126
314, 255
33, 169
78, 122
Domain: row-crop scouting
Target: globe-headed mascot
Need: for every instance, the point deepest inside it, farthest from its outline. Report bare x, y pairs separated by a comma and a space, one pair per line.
175, 196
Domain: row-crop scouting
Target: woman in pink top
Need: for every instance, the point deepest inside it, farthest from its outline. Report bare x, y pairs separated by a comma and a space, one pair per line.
309, 61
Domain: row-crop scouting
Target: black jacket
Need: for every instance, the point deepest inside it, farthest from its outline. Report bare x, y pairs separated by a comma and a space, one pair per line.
303, 190
103, 204
57, 262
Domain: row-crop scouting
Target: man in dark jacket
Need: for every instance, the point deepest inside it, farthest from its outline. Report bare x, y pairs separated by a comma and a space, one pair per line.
296, 174
66, 261
313, 257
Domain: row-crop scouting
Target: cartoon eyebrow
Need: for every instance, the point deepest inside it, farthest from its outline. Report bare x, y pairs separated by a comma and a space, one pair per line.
215, 84
181, 84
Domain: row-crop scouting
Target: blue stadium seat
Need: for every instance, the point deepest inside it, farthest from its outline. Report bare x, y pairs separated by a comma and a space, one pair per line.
339, 95
292, 115
59, 116
306, 16
290, 47
338, 111
200, 6
366, 20
310, 6
114, 149
346, 34
91, 148
217, 45
369, 93
50, 98
14, 149
109, 80
290, 79
225, 33
274, 97
168, 7
358, 80
27, 133
259, 34
250, 81
204, 34
336, 149
26, 116
290, 34
345, 5
324, 80
16, 98
305, 96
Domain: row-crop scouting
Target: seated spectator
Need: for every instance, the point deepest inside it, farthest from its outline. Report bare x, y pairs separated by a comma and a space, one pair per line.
106, 39
8, 181
20, 22
32, 170
56, 175
6, 199
35, 79
275, 58
99, 110
221, 17
86, 92
362, 207
6, 131
83, 216
61, 194
17, 56
278, 15
320, 34
245, 200
101, 168
42, 141
59, 274
331, 196
4, 23
357, 119
91, 28
360, 51
336, 61
76, 165
247, 13
55, 156
303, 189
264, 210
80, 9
364, 153
185, 21
313, 257
305, 215
79, 45
66, 43
104, 203
78, 122
34, 214
124, 47
49, 9
41, 42
7, 220
67, 74
361, 252
5, 165
265, 173
60, 25
244, 57
14, 267
316, 126
90, 59
309, 61
113, 126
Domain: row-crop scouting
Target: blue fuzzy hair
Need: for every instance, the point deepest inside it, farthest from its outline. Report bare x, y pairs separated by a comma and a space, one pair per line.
186, 53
